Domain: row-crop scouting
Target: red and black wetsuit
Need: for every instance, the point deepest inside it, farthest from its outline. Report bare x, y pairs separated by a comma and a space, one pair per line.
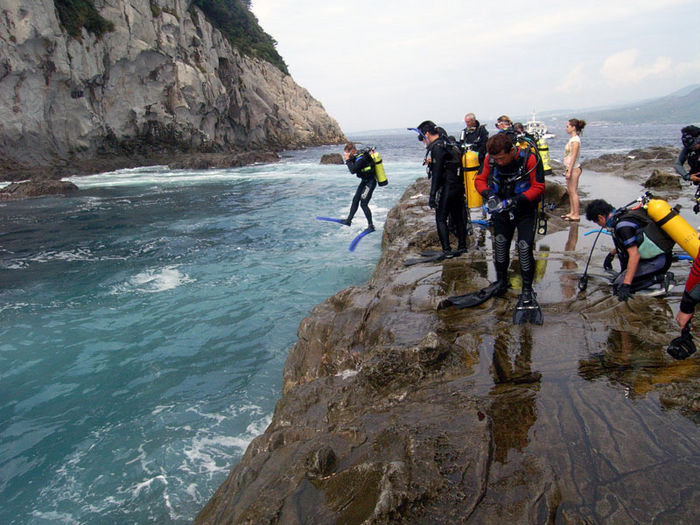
523, 184
691, 294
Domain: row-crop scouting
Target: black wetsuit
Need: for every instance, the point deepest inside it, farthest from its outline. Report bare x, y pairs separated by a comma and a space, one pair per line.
628, 231
477, 137
692, 157
362, 166
447, 191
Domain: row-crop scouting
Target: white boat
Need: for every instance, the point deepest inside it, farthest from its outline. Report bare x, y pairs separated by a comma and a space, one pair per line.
538, 128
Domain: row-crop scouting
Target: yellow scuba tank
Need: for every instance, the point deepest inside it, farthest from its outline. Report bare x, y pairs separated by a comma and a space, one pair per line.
470, 167
675, 226
543, 149
379, 172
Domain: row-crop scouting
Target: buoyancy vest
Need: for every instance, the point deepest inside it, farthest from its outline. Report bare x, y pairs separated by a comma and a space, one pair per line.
693, 159
507, 185
651, 240
452, 160
368, 170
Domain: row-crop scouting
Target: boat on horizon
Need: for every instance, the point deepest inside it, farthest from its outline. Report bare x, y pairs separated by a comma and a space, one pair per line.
538, 128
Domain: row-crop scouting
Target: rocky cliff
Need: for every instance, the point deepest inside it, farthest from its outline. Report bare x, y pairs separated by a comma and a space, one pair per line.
395, 412
162, 81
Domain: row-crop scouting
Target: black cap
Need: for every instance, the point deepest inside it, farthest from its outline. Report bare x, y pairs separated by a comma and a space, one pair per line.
427, 126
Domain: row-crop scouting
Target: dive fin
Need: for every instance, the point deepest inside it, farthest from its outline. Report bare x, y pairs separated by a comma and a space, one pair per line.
438, 256
469, 300
357, 239
527, 310
331, 219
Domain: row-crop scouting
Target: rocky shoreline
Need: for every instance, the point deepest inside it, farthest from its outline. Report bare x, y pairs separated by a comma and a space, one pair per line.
394, 412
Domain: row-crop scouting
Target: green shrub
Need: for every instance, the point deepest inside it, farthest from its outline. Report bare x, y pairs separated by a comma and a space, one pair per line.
76, 14
241, 28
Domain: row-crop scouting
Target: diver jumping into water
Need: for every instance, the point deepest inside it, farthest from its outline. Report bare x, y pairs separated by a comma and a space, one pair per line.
362, 165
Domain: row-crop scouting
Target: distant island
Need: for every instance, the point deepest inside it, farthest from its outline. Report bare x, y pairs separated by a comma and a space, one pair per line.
680, 106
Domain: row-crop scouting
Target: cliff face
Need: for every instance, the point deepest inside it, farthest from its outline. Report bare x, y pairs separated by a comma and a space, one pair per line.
164, 80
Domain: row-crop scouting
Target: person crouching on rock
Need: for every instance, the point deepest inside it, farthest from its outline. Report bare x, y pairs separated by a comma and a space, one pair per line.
362, 165
643, 248
447, 186
512, 186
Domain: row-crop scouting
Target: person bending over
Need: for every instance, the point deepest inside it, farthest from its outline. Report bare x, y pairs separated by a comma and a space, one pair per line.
643, 248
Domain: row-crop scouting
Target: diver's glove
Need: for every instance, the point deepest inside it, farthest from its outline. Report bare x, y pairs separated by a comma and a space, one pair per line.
607, 263
496, 205
432, 202
624, 292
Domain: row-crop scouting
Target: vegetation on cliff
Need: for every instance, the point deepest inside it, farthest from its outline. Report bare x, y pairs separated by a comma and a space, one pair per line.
241, 28
232, 17
76, 14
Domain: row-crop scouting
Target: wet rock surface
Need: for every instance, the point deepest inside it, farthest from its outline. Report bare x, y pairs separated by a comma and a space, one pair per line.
37, 188
638, 162
395, 412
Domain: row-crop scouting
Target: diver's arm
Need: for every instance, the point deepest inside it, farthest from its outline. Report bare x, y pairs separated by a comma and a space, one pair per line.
632, 263
678, 166
481, 181
691, 294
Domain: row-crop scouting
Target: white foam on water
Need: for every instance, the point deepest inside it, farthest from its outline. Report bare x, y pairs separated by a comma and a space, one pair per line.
153, 281
164, 176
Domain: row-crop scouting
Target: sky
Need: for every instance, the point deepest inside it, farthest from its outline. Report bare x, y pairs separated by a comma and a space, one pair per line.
382, 64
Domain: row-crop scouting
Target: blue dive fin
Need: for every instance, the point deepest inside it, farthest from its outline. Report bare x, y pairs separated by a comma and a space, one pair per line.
331, 219
357, 239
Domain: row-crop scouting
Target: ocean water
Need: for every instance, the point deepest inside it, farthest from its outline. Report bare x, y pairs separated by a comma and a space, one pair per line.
144, 323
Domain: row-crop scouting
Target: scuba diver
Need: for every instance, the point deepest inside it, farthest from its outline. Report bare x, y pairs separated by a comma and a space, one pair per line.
683, 346
643, 248
362, 165
691, 295
512, 184
443, 159
690, 137
474, 136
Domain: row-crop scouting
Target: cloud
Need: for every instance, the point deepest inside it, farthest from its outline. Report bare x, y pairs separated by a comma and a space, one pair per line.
621, 68
573, 79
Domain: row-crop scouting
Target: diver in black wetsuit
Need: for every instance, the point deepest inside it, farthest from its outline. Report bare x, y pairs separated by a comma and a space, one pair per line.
362, 165
690, 137
447, 186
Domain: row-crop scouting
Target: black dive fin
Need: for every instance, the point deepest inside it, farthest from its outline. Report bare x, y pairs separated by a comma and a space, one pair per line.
469, 300
527, 311
432, 258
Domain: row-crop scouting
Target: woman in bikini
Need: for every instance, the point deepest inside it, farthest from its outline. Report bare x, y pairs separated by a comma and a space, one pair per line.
572, 163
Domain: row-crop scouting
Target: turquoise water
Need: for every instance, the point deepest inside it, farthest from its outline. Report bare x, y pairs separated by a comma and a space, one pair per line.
145, 322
